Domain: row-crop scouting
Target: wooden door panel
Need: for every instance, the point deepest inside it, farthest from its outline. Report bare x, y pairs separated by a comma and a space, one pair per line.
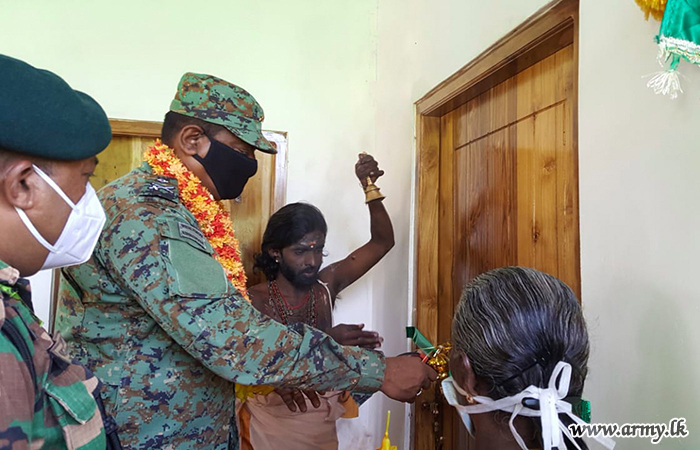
121, 155
489, 112
537, 193
546, 83
502, 149
484, 208
429, 206
567, 201
547, 195
446, 250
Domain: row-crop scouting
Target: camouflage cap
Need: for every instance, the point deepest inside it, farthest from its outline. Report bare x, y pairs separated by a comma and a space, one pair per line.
214, 100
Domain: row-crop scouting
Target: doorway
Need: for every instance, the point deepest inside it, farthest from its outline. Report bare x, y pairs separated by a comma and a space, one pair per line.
497, 180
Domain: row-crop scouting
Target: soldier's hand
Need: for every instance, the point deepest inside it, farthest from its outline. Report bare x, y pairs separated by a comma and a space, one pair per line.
9, 274
345, 334
295, 399
405, 377
365, 167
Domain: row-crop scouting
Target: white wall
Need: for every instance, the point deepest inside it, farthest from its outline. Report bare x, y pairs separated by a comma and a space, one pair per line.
638, 191
640, 217
40, 283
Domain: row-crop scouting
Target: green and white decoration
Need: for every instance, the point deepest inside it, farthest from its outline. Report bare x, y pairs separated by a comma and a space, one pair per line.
678, 39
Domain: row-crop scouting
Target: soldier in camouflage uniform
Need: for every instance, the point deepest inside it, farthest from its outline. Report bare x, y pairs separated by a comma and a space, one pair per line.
154, 315
49, 135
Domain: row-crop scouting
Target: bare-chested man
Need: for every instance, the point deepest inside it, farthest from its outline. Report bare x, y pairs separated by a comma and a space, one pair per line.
299, 291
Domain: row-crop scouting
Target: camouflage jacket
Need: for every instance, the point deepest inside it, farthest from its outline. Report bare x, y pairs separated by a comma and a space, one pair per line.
153, 314
46, 401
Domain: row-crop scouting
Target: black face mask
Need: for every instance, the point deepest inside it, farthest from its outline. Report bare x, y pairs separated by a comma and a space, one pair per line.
229, 170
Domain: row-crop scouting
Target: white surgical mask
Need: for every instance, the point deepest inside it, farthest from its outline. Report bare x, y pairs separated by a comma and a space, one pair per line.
552, 403
80, 233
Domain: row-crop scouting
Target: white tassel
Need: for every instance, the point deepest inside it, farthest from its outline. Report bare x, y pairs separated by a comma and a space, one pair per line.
662, 56
666, 83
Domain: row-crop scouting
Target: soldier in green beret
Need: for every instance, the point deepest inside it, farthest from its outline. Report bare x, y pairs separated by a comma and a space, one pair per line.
50, 217
161, 313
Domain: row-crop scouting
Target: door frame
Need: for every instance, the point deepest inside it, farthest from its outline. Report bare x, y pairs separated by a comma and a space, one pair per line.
550, 29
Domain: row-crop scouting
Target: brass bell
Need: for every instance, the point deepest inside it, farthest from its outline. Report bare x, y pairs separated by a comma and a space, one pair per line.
372, 191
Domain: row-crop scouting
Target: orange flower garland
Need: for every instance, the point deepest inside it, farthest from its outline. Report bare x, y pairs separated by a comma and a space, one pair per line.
213, 218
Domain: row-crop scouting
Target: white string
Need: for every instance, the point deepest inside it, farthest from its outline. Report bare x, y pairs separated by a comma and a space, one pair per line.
55, 186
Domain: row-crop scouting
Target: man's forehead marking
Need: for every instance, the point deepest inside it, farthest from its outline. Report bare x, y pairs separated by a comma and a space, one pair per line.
310, 244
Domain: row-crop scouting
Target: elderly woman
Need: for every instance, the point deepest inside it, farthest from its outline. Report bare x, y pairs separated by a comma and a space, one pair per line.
519, 361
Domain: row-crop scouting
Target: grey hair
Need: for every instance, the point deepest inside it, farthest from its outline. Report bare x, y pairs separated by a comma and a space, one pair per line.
515, 324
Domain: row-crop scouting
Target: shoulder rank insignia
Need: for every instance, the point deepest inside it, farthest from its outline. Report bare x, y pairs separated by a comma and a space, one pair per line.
161, 187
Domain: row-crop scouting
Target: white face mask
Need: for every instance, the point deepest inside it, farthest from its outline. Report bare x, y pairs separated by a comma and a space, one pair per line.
80, 233
551, 401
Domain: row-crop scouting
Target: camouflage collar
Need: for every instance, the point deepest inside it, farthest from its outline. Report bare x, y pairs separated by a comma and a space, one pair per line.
6, 289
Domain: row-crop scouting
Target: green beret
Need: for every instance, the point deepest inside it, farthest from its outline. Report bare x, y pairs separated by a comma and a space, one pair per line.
214, 100
41, 115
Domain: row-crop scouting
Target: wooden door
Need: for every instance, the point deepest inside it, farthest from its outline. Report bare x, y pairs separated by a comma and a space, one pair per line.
513, 199
497, 181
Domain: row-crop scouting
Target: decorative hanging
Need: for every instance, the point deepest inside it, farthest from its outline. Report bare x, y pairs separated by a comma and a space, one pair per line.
436, 357
678, 38
655, 8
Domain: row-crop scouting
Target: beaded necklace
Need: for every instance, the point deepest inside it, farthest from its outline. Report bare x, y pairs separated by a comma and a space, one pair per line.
285, 311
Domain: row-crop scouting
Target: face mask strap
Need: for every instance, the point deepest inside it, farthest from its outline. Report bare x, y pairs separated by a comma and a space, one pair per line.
557, 389
459, 390
54, 186
550, 403
32, 229
511, 425
551, 435
212, 141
